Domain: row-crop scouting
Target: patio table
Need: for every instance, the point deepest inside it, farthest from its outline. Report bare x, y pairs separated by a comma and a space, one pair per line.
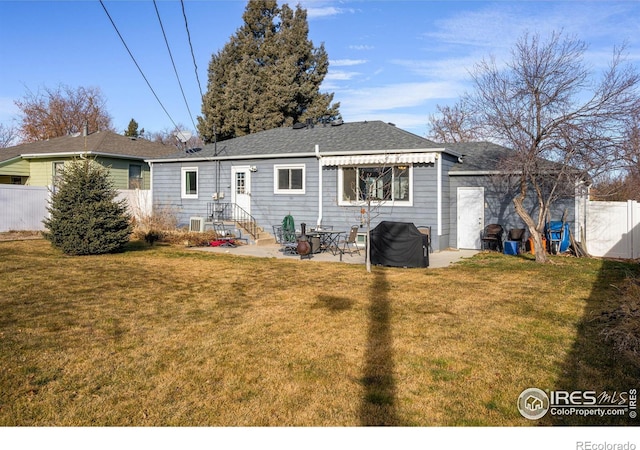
329, 240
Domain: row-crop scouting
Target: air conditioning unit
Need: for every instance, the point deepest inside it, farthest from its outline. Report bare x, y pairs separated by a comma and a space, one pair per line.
196, 224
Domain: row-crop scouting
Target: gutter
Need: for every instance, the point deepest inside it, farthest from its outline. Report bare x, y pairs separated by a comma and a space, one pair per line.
91, 153
305, 155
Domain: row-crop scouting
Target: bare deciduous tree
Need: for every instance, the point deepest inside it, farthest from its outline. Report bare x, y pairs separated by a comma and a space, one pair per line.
62, 111
169, 136
8, 136
454, 124
373, 187
547, 107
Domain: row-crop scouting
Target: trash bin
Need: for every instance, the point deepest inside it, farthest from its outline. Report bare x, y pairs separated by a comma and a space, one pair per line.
314, 240
510, 247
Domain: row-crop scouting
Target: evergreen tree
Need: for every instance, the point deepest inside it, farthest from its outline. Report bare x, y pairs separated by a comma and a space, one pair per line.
267, 76
85, 217
132, 129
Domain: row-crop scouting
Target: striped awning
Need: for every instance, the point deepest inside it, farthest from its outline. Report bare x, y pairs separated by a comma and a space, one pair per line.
386, 159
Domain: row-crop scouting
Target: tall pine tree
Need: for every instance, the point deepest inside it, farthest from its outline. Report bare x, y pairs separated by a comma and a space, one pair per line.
132, 129
267, 76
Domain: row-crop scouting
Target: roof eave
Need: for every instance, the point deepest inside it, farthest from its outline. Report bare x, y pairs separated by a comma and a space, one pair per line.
87, 153
300, 155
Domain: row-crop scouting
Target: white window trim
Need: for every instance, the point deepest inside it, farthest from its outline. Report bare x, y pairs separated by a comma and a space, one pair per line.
277, 167
183, 182
389, 203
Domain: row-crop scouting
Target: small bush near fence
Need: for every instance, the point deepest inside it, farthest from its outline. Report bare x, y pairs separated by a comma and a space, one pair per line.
622, 324
162, 226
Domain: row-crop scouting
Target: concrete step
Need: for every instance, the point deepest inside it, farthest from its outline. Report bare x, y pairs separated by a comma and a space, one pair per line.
265, 239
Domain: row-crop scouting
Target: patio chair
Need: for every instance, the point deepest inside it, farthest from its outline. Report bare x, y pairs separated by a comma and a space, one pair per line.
427, 232
492, 237
289, 242
351, 240
277, 233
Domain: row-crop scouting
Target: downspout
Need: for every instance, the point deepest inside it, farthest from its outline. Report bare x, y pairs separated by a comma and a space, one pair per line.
319, 222
151, 182
439, 194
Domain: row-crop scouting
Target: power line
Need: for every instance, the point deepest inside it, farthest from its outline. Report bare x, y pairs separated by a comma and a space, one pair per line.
195, 66
137, 65
174, 64
193, 56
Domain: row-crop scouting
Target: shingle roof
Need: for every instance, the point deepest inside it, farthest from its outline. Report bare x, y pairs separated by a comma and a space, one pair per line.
348, 137
489, 157
479, 156
101, 142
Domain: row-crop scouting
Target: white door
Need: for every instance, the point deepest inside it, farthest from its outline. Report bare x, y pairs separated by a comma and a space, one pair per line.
470, 217
241, 192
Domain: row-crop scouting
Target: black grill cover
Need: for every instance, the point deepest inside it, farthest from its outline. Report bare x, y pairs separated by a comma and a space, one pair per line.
399, 244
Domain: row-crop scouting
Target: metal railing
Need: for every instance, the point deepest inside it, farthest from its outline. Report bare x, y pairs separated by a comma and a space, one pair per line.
224, 211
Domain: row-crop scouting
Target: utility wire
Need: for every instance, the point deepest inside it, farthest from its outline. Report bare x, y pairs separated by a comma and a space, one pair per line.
137, 65
174, 64
195, 65
193, 56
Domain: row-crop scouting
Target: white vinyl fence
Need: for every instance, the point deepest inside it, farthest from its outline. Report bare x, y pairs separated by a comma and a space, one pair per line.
23, 208
139, 201
613, 229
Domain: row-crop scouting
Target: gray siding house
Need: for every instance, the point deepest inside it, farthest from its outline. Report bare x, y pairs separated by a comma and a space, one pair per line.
316, 174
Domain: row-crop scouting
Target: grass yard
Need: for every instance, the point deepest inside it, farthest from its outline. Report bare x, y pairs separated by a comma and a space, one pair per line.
166, 336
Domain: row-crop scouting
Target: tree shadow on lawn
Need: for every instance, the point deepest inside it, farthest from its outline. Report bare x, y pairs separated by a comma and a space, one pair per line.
379, 402
598, 361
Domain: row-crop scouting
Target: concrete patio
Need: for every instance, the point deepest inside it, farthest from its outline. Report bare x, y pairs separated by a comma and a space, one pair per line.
436, 260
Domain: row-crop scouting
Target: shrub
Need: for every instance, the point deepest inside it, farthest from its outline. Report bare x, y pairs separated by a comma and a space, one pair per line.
155, 226
85, 217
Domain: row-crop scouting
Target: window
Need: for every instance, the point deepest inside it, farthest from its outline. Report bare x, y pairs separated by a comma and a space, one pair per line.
57, 169
135, 176
380, 184
289, 179
241, 183
189, 182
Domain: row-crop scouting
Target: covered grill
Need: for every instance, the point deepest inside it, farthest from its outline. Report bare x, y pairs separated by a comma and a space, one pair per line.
399, 244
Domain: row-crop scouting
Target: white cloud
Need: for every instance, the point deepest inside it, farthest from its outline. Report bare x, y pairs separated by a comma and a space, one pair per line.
450, 68
339, 75
395, 96
347, 62
495, 28
414, 123
321, 9
361, 47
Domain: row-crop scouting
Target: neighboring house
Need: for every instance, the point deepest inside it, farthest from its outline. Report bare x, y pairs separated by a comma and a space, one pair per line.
316, 173
39, 163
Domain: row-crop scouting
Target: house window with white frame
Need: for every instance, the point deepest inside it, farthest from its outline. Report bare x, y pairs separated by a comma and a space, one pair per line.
289, 179
189, 181
376, 183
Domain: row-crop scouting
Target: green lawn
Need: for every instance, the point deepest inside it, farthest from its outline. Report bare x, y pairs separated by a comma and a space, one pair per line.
166, 336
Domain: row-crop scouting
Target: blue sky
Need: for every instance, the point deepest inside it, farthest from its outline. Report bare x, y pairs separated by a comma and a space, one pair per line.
389, 60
